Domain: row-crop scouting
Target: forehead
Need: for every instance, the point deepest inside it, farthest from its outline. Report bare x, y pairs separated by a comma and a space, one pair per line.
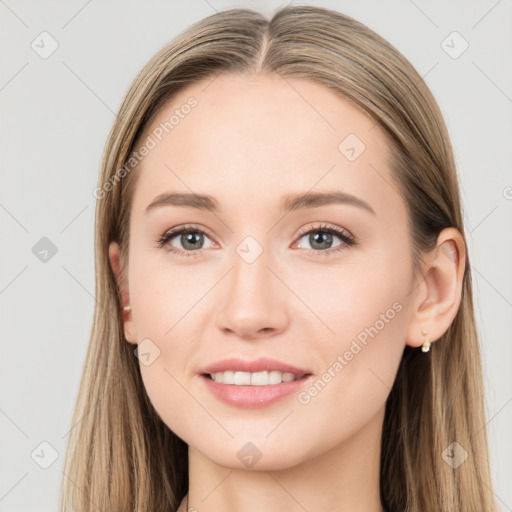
260, 135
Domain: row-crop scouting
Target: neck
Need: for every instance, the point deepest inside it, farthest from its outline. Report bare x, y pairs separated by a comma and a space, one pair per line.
343, 479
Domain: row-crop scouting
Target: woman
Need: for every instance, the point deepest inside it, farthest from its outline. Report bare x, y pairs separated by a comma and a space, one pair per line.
285, 316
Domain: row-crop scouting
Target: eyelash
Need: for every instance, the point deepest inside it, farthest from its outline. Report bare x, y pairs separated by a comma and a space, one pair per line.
347, 239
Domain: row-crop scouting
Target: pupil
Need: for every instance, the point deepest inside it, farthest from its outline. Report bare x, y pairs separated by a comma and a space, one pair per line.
324, 238
189, 239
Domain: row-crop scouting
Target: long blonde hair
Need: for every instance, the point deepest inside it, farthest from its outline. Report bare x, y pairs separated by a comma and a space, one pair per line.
121, 456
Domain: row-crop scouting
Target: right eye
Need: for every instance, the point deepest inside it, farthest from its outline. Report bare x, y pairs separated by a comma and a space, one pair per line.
189, 237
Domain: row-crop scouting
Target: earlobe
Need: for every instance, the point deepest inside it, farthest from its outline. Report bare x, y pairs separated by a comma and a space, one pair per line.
126, 314
437, 298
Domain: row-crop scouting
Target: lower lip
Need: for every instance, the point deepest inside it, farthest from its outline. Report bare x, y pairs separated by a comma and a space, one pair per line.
252, 397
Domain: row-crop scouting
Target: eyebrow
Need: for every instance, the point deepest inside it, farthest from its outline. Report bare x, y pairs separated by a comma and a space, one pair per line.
289, 203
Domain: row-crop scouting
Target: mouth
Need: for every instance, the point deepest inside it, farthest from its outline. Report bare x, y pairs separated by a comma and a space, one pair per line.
262, 378
253, 390
253, 383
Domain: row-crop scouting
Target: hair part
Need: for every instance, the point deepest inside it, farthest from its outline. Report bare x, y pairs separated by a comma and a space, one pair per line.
120, 453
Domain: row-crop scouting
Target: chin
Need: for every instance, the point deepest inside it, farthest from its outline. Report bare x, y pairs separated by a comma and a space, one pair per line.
253, 456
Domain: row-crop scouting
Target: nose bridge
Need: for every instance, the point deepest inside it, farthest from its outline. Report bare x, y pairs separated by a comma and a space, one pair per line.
253, 301
250, 278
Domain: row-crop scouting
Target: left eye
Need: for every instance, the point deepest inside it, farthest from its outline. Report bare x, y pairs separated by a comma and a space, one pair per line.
321, 238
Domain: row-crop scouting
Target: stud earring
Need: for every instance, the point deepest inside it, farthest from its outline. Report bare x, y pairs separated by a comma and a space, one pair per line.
426, 346
127, 308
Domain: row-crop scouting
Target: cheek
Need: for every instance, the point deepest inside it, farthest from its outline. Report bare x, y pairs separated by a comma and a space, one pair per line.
360, 360
165, 294
358, 321
169, 312
347, 300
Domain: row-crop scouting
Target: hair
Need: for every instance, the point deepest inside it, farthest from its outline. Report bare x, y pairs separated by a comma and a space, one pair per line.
120, 454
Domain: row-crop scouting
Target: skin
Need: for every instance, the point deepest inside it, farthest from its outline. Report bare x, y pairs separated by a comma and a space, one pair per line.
249, 141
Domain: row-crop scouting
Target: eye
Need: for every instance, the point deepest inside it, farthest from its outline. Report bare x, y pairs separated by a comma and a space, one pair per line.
320, 239
190, 238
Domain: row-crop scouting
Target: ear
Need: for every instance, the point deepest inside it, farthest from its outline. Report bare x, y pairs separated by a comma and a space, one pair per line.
129, 325
437, 297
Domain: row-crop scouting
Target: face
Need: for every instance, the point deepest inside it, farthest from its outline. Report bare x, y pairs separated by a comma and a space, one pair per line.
319, 285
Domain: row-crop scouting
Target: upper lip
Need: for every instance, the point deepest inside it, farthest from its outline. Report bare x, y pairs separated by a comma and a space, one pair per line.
258, 365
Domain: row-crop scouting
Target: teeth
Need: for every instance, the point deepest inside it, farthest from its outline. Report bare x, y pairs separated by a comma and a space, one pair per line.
253, 379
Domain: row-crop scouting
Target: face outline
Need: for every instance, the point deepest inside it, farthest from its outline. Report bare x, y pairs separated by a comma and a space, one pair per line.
248, 142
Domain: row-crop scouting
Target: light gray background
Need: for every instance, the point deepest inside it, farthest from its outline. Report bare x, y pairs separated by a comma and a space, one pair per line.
56, 114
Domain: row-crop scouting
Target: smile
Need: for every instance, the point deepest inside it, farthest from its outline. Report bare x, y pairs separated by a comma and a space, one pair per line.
268, 387
263, 378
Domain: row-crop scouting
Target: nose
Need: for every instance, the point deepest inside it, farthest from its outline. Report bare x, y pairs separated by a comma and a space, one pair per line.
253, 300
